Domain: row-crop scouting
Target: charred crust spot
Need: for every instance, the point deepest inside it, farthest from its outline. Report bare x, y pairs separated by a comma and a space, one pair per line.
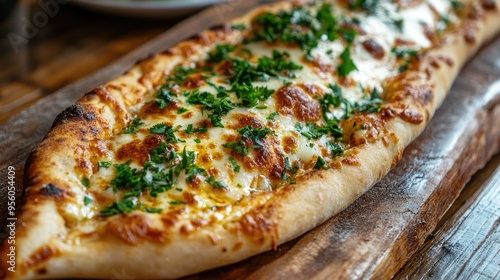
488, 4
469, 35
135, 228
73, 112
195, 37
42, 271
168, 51
51, 190
41, 255
372, 47
221, 27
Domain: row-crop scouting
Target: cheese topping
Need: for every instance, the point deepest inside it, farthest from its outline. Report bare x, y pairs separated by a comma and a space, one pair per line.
252, 117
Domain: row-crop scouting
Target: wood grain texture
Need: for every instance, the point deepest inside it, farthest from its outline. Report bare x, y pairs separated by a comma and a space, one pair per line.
376, 235
467, 245
64, 50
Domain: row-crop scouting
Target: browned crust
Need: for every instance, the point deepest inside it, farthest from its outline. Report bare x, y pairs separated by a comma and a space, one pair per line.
43, 252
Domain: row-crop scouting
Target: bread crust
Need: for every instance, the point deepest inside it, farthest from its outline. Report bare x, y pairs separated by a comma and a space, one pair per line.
44, 251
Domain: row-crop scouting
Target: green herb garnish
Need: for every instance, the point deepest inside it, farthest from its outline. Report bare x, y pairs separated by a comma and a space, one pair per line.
104, 164
347, 65
85, 182
165, 130
87, 200
133, 127
236, 167
321, 164
216, 184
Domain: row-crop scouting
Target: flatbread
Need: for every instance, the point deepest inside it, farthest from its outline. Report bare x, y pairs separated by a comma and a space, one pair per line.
245, 137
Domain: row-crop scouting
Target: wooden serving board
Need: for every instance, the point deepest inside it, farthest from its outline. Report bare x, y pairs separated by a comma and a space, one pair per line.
376, 235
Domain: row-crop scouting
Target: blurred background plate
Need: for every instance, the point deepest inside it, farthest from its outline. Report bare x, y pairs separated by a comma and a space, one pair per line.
147, 8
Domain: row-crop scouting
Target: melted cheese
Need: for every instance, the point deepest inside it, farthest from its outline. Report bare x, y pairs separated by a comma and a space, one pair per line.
213, 157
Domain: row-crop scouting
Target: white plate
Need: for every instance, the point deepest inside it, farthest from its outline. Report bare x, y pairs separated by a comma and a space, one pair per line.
147, 8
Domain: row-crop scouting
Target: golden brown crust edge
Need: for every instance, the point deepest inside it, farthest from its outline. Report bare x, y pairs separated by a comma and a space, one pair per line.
335, 189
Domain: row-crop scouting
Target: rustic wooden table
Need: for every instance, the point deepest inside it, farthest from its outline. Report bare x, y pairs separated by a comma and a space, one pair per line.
74, 43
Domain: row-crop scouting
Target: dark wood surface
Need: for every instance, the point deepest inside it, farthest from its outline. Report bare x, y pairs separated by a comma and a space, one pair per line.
404, 221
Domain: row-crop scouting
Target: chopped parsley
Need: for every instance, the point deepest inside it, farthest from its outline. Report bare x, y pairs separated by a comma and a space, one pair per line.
188, 165
165, 130
239, 26
218, 106
153, 210
239, 147
164, 96
181, 110
104, 164
215, 184
87, 200
297, 26
248, 133
250, 95
272, 116
321, 164
133, 127
191, 130
368, 104
220, 53
123, 206
236, 167
457, 5
285, 175
85, 182
407, 55
335, 148
278, 65
347, 65
180, 74
311, 130
176, 202
369, 6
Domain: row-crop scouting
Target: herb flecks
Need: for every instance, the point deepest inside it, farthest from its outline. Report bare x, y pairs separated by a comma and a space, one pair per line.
298, 26
157, 176
251, 137
133, 128
347, 65
216, 184
165, 130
